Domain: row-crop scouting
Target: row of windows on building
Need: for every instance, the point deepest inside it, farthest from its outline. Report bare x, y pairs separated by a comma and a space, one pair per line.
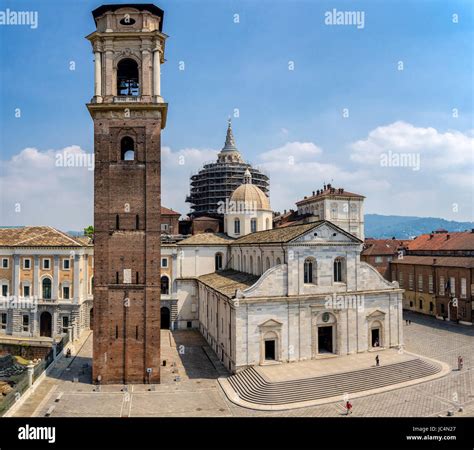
319, 209
445, 286
46, 289
253, 225
420, 305
26, 322
442, 308
309, 272
45, 263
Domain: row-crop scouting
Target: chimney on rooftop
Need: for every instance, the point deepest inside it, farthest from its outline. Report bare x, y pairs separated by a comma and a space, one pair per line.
431, 235
472, 230
447, 236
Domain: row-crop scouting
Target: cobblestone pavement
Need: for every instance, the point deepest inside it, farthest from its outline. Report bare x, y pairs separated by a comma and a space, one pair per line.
189, 383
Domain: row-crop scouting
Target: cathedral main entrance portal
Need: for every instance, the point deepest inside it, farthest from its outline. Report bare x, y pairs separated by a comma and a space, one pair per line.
325, 339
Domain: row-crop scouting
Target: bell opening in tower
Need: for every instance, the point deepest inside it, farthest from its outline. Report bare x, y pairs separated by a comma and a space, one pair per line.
128, 83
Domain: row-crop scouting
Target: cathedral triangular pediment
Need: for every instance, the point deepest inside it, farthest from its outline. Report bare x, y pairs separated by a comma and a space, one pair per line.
327, 231
271, 323
376, 313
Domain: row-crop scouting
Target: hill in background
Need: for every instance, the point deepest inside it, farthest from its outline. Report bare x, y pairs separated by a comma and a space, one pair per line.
406, 227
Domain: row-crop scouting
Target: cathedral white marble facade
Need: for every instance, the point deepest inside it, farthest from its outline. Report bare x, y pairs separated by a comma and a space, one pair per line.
286, 294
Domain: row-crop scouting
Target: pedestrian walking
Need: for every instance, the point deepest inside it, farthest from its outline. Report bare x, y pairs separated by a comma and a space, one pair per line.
460, 362
348, 407
406, 321
377, 361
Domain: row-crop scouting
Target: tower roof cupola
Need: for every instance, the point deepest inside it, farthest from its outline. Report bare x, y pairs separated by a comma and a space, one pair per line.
247, 177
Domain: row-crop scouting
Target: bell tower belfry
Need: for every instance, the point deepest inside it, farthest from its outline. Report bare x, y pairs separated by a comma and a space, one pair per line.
129, 113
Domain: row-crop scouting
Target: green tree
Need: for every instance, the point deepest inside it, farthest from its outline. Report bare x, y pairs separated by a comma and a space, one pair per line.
89, 231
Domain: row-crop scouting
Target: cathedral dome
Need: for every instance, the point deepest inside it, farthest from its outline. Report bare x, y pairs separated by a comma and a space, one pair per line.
250, 195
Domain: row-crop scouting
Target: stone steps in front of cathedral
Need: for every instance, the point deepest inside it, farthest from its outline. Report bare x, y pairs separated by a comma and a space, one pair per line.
250, 389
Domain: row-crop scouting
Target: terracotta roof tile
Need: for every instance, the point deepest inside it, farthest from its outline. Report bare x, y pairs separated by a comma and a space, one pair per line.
448, 261
283, 234
38, 237
462, 240
276, 235
228, 281
168, 212
375, 247
207, 239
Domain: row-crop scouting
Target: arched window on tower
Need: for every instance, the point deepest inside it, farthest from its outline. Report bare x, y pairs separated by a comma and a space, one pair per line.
127, 78
127, 149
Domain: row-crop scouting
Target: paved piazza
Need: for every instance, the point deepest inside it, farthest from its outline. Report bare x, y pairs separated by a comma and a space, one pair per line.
190, 388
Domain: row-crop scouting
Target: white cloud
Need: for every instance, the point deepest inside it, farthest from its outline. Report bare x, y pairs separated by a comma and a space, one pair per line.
55, 187
296, 170
48, 194
437, 150
36, 191
444, 178
292, 151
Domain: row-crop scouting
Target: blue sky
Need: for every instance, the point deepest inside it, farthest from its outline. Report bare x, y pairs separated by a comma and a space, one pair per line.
245, 66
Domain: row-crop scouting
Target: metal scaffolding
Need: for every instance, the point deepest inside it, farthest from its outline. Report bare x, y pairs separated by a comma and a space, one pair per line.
216, 181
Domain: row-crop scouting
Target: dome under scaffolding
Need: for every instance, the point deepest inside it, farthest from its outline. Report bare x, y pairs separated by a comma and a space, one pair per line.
215, 182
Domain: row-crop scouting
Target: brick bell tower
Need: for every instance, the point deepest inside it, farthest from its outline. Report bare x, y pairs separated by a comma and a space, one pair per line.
129, 114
